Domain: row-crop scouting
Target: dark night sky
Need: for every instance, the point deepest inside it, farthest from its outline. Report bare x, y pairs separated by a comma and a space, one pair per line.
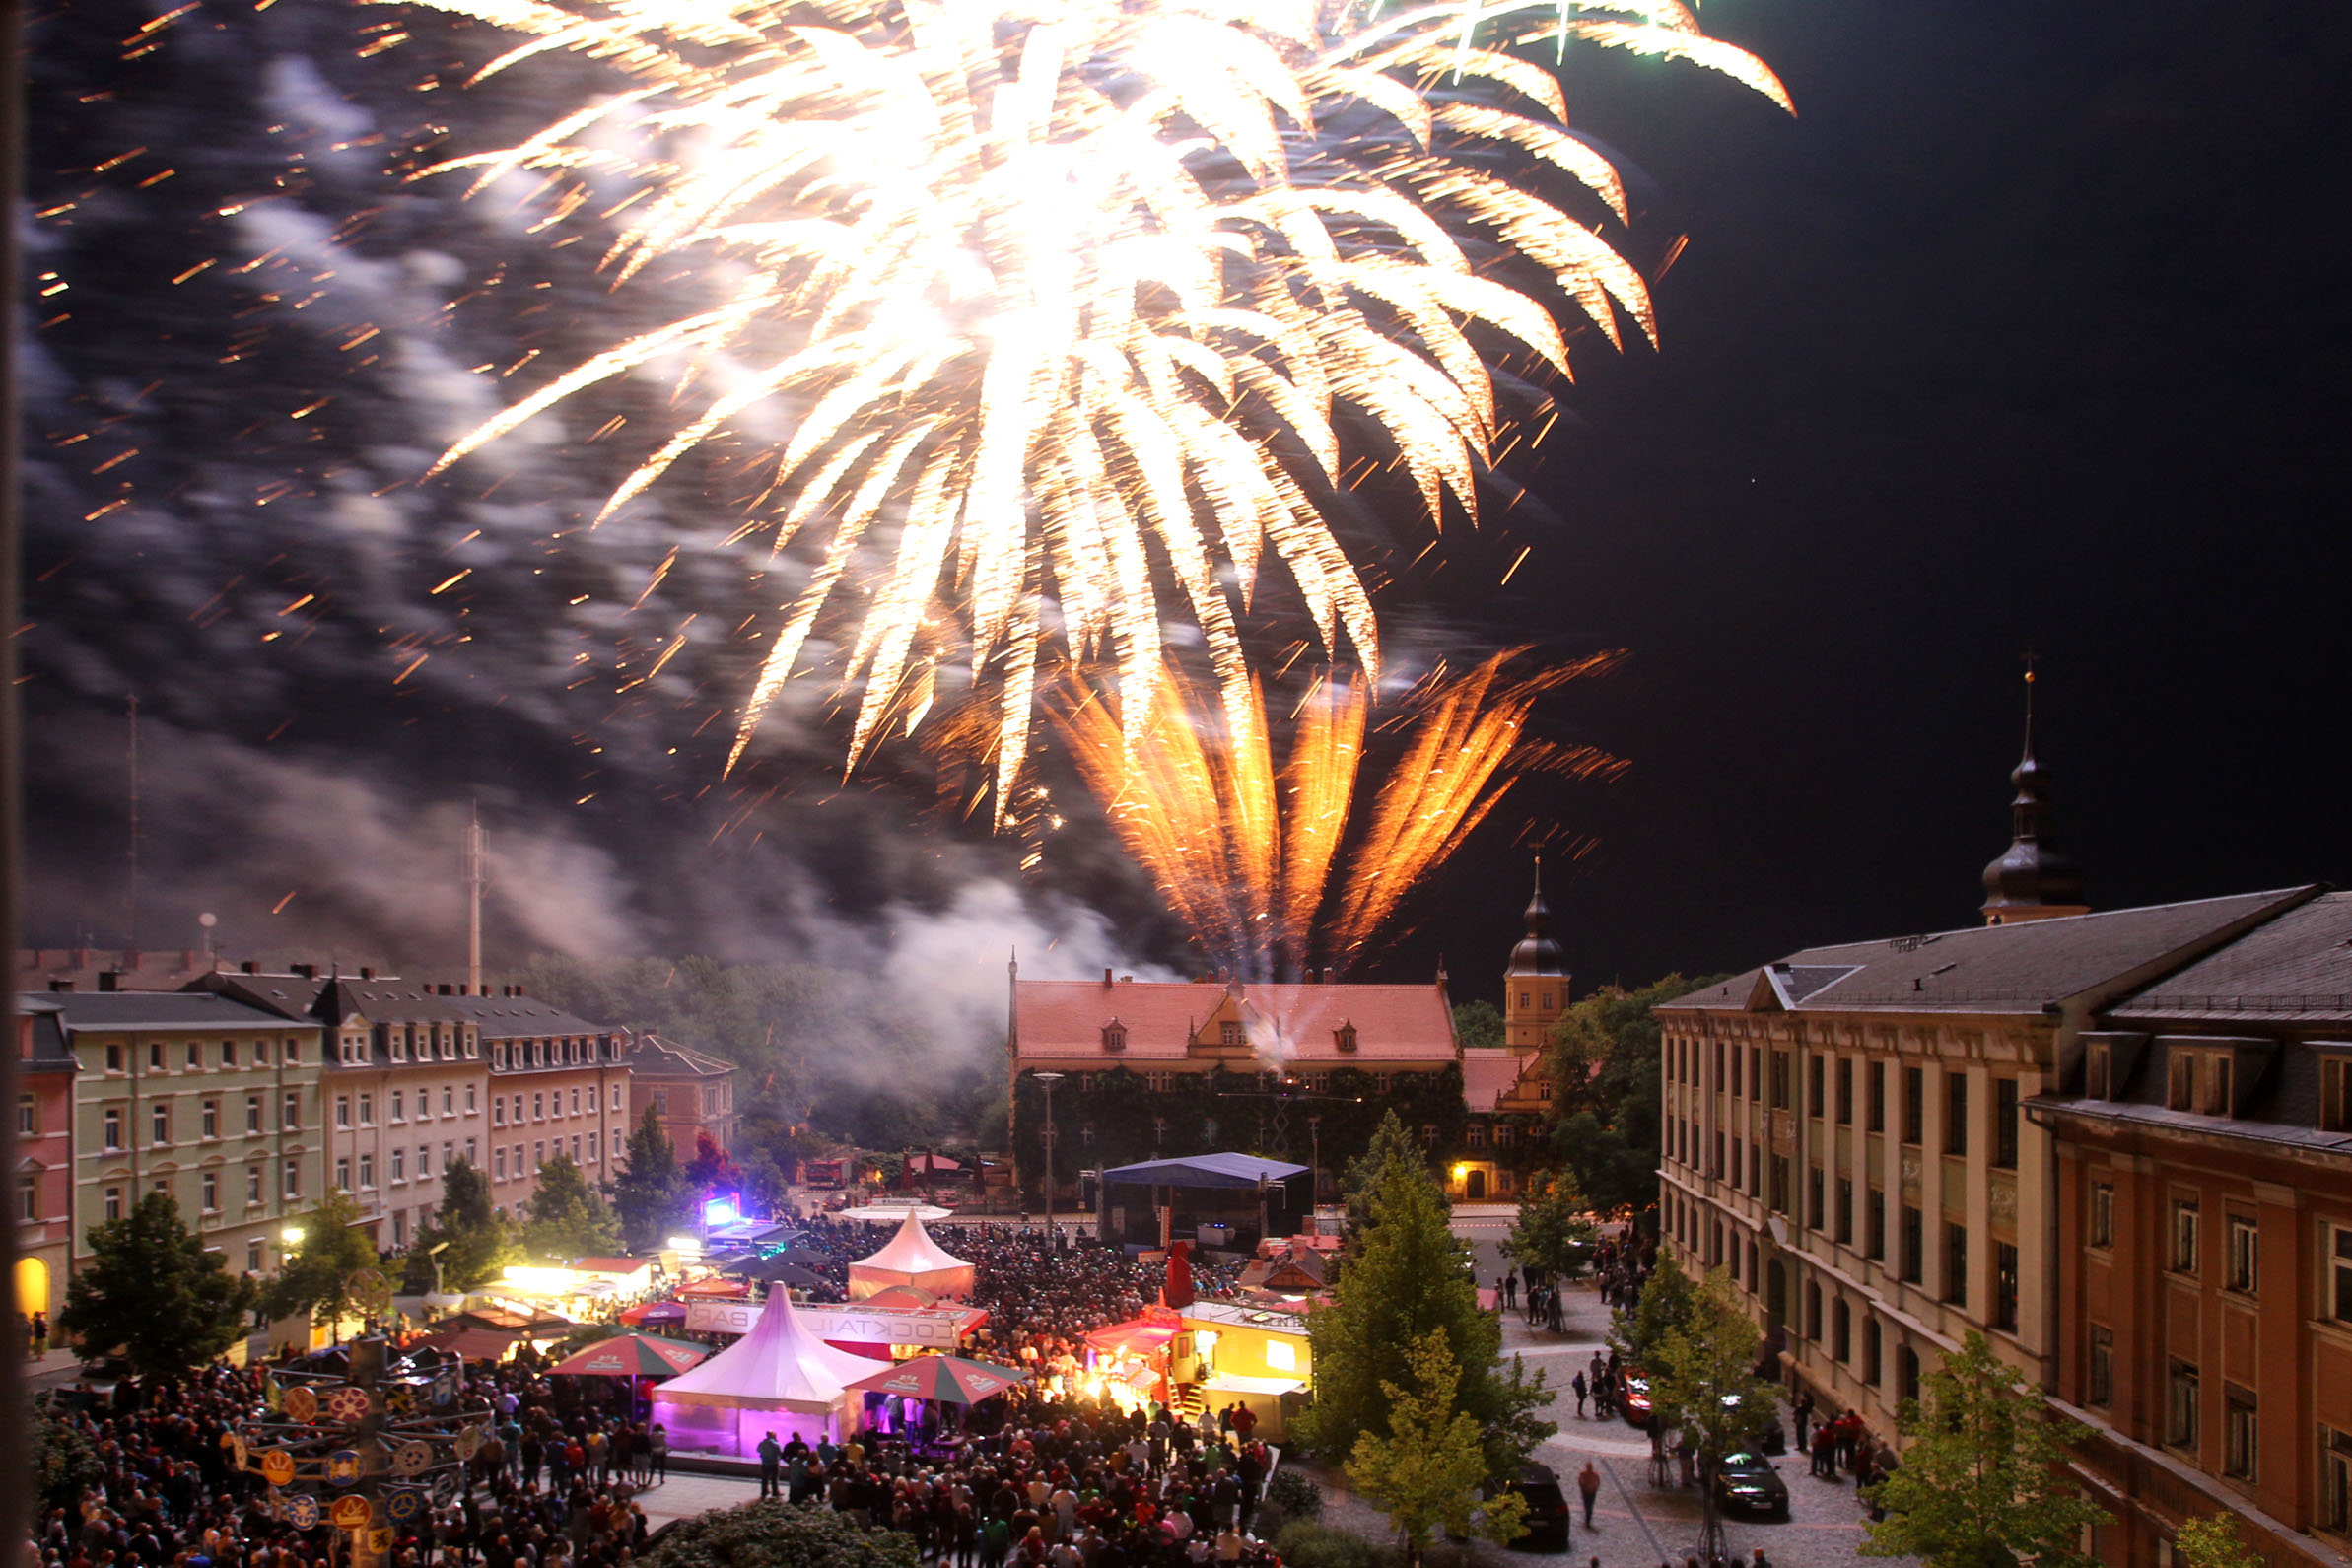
2028, 332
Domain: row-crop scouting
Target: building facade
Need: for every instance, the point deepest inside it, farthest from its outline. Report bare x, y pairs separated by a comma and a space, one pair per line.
1508, 1092
206, 1100
2204, 1242
1844, 1135
557, 1084
44, 1185
691, 1093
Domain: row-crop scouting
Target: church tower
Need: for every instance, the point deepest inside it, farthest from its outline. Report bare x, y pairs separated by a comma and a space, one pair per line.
2030, 881
1535, 988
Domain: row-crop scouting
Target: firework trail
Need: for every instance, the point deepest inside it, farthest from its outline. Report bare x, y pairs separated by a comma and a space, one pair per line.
1245, 850
1074, 300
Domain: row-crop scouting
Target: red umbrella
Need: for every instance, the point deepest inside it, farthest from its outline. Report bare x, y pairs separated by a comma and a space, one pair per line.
631, 1355
950, 1380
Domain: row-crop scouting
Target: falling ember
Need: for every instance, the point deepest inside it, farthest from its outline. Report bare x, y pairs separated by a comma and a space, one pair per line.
1077, 304
281, 903
1245, 850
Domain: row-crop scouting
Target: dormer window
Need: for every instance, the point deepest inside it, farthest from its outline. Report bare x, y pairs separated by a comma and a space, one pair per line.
2336, 1094
2096, 1080
1344, 1037
1114, 1035
2219, 1100
2180, 1079
1229, 1035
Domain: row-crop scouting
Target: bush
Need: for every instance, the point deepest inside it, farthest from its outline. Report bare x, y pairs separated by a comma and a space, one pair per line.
63, 1462
776, 1535
1303, 1543
1295, 1495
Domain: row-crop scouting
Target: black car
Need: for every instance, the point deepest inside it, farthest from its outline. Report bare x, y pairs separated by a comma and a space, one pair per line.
1772, 1439
1749, 1483
1546, 1510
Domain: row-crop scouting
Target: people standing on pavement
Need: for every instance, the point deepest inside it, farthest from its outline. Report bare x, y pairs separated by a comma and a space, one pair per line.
1824, 1453
1803, 1413
1578, 1383
771, 1466
1588, 1486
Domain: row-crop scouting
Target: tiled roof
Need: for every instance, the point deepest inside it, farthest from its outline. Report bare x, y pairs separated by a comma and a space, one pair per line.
520, 1017
1299, 1022
154, 1009
2018, 968
652, 1057
1489, 1073
2296, 966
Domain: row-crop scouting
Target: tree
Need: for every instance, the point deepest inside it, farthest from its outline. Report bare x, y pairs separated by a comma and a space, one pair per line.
1427, 1471
63, 1464
651, 1194
1390, 1145
480, 1244
1663, 1308
1555, 1230
774, 1534
1700, 1357
711, 1169
566, 1218
1981, 1484
1479, 1025
316, 1280
765, 1191
2213, 1543
152, 1293
1604, 1061
1401, 1277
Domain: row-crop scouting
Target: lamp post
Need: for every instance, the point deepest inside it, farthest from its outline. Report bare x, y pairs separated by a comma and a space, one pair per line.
1314, 1169
1049, 1080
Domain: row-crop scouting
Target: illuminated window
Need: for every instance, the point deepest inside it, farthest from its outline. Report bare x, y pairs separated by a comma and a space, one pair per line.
1280, 1355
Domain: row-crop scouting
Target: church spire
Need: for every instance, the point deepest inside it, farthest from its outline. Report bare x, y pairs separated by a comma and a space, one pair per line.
2030, 880
1537, 953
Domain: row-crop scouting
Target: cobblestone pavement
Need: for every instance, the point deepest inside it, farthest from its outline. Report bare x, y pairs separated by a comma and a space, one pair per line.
1636, 1525
688, 1496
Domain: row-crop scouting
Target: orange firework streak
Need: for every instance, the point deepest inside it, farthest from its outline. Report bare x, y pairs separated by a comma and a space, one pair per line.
1244, 852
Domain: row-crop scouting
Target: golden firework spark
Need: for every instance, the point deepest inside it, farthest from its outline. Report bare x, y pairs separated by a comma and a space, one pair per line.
1244, 849
1071, 299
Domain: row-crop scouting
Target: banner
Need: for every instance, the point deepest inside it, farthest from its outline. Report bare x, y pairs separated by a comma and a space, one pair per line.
896, 1325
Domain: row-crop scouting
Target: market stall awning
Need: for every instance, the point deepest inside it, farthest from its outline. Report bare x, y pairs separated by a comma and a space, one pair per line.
471, 1343
652, 1313
631, 1355
950, 1380
1203, 1170
1138, 1335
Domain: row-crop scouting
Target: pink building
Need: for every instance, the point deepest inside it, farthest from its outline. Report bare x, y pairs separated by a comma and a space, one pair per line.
45, 1187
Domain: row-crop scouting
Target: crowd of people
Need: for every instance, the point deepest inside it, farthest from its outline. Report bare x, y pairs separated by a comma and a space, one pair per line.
1041, 1475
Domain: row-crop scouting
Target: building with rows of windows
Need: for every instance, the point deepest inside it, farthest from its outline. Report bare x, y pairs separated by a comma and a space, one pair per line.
557, 1084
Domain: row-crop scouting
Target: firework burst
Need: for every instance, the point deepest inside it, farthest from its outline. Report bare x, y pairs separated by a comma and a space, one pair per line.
1080, 306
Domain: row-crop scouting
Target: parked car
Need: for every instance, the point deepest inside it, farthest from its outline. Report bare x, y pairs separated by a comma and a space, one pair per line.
1637, 1397
1750, 1483
1772, 1439
1546, 1510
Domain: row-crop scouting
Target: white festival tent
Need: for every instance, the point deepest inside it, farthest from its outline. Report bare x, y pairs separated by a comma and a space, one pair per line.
779, 1378
911, 1258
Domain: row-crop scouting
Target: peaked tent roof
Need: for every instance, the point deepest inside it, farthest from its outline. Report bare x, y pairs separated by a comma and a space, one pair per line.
778, 1365
912, 1251
1205, 1169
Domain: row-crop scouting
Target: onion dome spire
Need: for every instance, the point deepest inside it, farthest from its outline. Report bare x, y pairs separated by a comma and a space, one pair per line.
1537, 953
2030, 880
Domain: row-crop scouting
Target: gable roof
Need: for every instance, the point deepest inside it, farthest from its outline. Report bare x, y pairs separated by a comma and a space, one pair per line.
2296, 966
1203, 1170
2019, 968
522, 1017
1293, 1021
157, 1010
652, 1057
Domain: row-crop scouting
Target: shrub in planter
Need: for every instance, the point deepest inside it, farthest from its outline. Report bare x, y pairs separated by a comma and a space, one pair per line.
776, 1535
1295, 1495
1303, 1543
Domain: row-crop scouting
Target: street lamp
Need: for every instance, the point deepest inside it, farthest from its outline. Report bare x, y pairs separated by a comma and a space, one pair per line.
291, 1236
1049, 1080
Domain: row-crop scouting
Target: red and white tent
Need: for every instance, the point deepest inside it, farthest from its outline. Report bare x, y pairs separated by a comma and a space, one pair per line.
911, 1258
779, 1378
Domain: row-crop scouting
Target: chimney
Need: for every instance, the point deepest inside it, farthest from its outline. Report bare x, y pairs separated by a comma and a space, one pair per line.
1327, 975
305, 971
110, 980
1106, 977
446, 988
80, 958
251, 966
61, 985
367, 971
187, 958
132, 958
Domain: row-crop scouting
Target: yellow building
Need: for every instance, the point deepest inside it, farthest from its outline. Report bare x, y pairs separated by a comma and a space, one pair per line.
1508, 1090
1250, 1356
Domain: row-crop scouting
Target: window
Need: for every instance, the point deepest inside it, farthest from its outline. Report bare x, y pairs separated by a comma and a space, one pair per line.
1735, 1071
1475, 1136
1956, 1113
2181, 1406
1870, 1352
2004, 1286
113, 1057
1906, 1373
1779, 1198
194, 1057
252, 1184
2242, 1254
343, 1175
113, 1202
2180, 1078
1845, 1209
575, 1148
227, 1052
1874, 1223
2103, 1214
1779, 1080
399, 1228
112, 1121
498, 1110
469, 1151
1815, 1100
616, 1097
368, 1170
539, 1106
1813, 1310
424, 1161
538, 1153
448, 1100
28, 1198
252, 1114
576, 1099
253, 1255
400, 1165
400, 1105
294, 1179
469, 1099
497, 1162
294, 1112
2340, 1297
1230, 1034
2004, 1123
2217, 1100
2335, 1478
261, 1052
367, 1110
1814, 1216
1915, 1104
2239, 1434
1912, 1242
1755, 1170
342, 1109
1841, 1322
2099, 1076
294, 1053
1846, 1091
2185, 1236
27, 1115
2103, 1366
1955, 1261
155, 1056
593, 1154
